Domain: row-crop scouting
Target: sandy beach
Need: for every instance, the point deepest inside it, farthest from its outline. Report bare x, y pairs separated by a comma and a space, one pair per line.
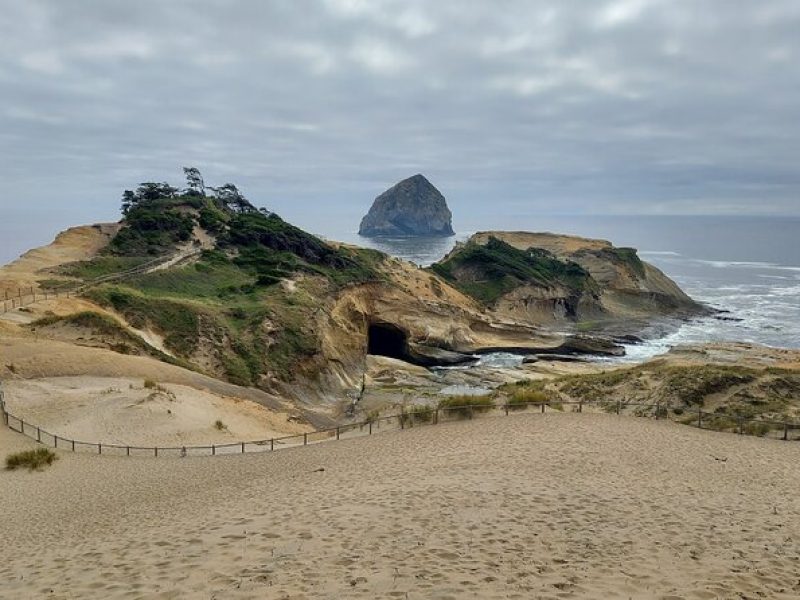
531, 506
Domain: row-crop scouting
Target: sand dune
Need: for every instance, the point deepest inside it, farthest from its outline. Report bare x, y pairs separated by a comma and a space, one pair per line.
74, 244
124, 411
29, 357
531, 506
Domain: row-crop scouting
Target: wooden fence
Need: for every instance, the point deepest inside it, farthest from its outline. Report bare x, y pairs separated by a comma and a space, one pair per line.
409, 419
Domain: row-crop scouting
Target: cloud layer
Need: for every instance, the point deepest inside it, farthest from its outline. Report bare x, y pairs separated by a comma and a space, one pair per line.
650, 106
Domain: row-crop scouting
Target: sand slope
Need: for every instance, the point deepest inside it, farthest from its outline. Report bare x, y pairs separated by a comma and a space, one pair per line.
123, 411
29, 357
531, 506
74, 244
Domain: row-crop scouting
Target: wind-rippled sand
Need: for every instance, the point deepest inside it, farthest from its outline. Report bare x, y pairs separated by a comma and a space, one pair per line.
530, 506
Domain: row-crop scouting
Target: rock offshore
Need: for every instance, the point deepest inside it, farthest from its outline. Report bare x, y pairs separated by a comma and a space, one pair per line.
413, 207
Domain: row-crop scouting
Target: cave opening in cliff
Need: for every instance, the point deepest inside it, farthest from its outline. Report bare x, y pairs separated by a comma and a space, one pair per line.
385, 339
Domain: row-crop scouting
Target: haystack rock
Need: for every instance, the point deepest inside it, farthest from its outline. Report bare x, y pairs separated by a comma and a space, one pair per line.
413, 207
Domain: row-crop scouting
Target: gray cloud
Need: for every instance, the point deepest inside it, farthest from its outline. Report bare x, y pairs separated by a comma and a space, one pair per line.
313, 107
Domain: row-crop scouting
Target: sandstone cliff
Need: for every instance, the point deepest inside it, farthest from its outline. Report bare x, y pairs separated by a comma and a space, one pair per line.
544, 277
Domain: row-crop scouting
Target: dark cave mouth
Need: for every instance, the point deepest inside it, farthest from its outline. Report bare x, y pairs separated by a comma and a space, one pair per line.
385, 339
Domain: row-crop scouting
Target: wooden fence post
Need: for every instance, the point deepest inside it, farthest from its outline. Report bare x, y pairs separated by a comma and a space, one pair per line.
305, 439
127, 450
242, 447
337, 432
619, 406
213, 450
272, 444
99, 448
658, 411
73, 445
785, 431
700, 418
505, 408
543, 407
370, 428
741, 425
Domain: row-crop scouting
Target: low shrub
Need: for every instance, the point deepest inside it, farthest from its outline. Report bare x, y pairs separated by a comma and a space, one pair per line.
150, 384
33, 460
372, 416
756, 428
520, 399
719, 423
219, 425
465, 406
418, 413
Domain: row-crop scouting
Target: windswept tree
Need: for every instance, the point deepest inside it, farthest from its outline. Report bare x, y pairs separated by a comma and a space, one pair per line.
150, 191
194, 182
128, 200
232, 198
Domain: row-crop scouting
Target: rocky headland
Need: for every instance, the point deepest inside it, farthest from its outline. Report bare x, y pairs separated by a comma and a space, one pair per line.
191, 288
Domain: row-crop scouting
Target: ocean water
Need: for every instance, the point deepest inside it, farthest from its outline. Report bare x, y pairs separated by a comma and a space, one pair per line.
749, 267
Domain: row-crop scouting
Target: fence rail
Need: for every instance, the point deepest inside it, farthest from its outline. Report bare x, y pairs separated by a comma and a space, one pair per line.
782, 430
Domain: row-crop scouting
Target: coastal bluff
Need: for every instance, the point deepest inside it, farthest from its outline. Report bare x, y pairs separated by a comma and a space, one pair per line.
412, 207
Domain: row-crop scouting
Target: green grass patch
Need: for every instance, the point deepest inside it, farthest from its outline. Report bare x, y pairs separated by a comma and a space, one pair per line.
720, 422
629, 257
488, 271
756, 428
691, 384
522, 398
465, 406
179, 322
593, 386
33, 460
417, 414
100, 266
203, 280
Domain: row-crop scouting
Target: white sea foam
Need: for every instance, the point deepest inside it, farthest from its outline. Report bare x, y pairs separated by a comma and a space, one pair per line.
744, 264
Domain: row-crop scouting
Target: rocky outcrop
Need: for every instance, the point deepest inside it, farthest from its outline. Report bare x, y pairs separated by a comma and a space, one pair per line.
543, 277
413, 207
323, 308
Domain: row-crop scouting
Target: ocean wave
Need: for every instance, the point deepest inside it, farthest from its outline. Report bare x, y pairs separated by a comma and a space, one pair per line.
746, 264
659, 253
793, 290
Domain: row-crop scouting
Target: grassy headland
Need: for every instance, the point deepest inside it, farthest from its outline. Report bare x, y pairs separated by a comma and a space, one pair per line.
244, 306
489, 271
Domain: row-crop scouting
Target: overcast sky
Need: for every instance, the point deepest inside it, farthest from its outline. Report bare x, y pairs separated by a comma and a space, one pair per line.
314, 107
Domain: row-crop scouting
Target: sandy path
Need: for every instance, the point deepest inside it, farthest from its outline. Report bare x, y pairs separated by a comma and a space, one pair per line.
553, 506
